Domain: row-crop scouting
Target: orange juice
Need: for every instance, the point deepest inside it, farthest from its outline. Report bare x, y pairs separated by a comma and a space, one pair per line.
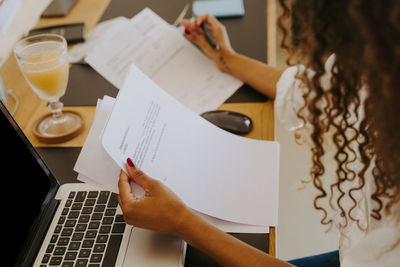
50, 83
46, 71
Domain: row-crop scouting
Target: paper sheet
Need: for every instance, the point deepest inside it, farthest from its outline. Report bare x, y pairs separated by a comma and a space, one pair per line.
164, 55
93, 162
8, 12
95, 37
94, 166
214, 172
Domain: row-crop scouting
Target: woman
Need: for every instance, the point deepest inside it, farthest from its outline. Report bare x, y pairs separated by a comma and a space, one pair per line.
343, 100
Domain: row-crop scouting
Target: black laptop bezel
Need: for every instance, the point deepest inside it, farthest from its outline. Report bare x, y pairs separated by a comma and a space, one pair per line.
40, 225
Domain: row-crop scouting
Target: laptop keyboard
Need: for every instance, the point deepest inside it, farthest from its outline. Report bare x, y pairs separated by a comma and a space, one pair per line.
89, 232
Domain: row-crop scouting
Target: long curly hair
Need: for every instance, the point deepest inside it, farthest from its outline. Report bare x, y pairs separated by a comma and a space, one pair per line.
361, 108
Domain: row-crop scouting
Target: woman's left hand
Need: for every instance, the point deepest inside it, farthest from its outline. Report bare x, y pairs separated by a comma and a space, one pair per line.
159, 209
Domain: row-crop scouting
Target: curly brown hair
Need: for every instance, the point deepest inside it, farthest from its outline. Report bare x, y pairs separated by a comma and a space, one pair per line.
364, 36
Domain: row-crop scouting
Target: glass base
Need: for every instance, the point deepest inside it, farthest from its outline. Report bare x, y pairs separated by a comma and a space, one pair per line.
54, 130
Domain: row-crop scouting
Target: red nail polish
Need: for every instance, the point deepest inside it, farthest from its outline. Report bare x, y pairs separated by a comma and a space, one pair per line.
130, 163
187, 31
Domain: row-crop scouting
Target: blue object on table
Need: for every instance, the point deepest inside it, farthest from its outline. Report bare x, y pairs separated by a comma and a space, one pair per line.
218, 8
329, 259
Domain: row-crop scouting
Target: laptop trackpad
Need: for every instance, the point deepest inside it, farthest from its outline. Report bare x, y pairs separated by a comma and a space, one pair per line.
149, 248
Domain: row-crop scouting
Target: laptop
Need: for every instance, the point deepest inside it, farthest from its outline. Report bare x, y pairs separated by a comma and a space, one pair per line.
48, 224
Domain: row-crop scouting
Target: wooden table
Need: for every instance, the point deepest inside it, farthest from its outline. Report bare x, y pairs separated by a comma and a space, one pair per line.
90, 11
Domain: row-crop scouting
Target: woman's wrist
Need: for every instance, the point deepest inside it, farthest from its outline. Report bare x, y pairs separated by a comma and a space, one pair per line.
224, 59
184, 222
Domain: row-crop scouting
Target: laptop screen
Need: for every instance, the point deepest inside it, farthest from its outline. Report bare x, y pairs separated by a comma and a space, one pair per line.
27, 188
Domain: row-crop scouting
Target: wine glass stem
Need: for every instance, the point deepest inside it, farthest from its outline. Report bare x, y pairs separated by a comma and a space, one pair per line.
56, 109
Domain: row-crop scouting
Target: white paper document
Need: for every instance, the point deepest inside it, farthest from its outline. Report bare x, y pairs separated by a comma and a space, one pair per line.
8, 12
214, 172
165, 56
98, 34
95, 166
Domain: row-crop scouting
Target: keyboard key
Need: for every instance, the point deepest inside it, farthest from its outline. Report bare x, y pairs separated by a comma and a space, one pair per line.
54, 239
61, 220
84, 218
57, 230
80, 196
68, 203
91, 234
108, 220
88, 243
90, 202
81, 227
87, 210
65, 211
84, 253
93, 194
63, 241
68, 264
110, 212
119, 218
60, 251
103, 197
72, 194
94, 225
55, 261
99, 208
97, 216
97, 258
77, 206
105, 229
77, 236
113, 202
81, 263
111, 254
71, 255
73, 214
99, 248
70, 223
67, 232
46, 258
50, 248
94, 265
118, 228
102, 239
74, 245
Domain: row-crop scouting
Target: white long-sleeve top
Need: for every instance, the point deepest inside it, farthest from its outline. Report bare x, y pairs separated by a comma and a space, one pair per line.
368, 242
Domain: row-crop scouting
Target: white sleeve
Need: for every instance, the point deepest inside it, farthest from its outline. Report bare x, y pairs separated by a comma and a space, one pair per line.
379, 248
289, 98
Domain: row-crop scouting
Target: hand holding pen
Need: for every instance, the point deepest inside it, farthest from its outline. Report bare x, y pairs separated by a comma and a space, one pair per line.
210, 36
210, 39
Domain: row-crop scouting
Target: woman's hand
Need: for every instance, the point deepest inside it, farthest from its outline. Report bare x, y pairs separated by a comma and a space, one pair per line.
195, 33
159, 209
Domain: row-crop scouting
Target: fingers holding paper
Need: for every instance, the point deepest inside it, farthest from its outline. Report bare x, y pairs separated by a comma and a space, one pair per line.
158, 209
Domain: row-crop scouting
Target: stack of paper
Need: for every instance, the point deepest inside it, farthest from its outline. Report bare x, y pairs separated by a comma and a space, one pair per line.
165, 56
231, 179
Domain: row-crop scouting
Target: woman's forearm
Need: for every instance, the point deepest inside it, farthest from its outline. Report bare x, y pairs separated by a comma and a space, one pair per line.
222, 247
257, 74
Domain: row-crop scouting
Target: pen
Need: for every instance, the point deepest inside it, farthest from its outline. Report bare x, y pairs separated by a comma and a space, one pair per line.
209, 38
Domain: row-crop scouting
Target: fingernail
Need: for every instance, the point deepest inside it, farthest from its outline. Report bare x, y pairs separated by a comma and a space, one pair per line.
187, 31
130, 163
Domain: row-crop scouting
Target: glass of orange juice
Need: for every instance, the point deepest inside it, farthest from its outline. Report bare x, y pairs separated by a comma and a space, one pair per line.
44, 63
